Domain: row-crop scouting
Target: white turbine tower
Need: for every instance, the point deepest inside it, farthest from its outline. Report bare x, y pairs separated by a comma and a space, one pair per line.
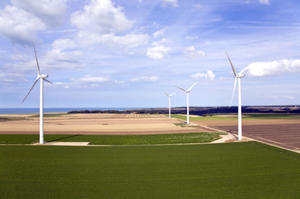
237, 79
187, 92
42, 78
169, 100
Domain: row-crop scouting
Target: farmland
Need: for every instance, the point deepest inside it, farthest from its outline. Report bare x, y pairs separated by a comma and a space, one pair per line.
234, 170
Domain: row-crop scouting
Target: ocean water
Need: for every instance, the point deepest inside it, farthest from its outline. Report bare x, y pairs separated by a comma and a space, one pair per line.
56, 110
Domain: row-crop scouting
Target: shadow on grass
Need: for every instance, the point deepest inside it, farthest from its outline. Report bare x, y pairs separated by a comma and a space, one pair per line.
63, 138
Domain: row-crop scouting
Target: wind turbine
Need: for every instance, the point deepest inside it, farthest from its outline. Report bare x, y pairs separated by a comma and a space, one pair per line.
42, 78
187, 92
169, 99
237, 79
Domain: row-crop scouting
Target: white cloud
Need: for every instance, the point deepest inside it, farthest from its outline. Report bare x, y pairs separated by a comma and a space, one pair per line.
61, 84
260, 69
83, 82
102, 21
173, 3
10, 78
49, 11
288, 97
95, 79
19, 25
158, 51
60, 59
191, 51
159, 33
145, 79
101, 16
208, 75
22, 20
266, 2
130, 40
62, 44
62, 55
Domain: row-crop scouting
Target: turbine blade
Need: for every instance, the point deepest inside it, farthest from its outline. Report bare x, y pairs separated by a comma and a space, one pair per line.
30, 89
181, 88
166, 93
192, 86
48, 81
232, 67
37, 62
233, 91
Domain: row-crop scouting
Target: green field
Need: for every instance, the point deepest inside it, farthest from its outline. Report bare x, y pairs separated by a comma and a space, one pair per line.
114, 139
245, 116
236, 170
49, 115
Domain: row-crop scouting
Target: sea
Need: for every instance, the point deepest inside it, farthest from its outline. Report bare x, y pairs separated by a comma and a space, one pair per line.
59, 110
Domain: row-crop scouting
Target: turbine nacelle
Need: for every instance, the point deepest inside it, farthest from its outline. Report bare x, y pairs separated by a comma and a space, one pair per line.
42, 76
169, 95
187, 91
240, 75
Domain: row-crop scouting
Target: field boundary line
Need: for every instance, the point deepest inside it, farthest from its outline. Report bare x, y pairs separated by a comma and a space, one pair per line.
275, 145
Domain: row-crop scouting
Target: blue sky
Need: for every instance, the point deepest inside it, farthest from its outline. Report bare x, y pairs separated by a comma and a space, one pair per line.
120, 53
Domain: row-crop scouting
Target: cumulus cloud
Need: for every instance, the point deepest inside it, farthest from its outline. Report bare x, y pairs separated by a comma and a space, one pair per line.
101, 16
191, 51
49, 11
95, 79
61, 55
208, 75
10, 78
158, 50
145, 79
62, 44
130, 40
266, 2
159, 33
260, 69
19, 25
173, 3
84, 82
23, 19
101, 21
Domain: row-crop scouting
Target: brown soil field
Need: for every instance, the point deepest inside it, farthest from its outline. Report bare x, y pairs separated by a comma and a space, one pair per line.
96, 124
280, 132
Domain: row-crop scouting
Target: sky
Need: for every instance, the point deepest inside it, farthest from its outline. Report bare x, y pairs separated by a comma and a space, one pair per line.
127, 53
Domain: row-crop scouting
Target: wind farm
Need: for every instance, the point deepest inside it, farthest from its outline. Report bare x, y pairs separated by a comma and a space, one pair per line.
145, 101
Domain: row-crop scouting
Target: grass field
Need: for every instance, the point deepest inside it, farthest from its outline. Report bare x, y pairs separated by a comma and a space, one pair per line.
195, 118
237, 170
49, 115
245, 116
114, 139
12, 118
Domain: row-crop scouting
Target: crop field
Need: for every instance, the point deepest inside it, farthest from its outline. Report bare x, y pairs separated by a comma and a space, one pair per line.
236, 170
234, 117
276, 129
61, 123
202, 137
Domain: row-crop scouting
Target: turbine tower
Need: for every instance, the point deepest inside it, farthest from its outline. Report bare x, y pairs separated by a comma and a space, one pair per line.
237, 79
187, 92
169, 99
42, 78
